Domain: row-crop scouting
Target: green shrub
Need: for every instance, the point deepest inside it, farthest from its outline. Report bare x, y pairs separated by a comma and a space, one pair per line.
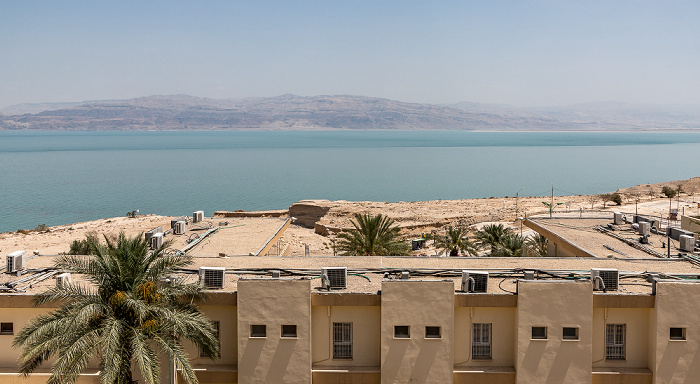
669, 192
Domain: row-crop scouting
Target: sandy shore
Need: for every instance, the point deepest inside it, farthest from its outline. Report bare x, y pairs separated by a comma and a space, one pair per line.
415, 218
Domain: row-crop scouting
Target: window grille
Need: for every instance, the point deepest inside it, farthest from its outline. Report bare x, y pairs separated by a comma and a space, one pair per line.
481, 341
615, 341
202, 353
342, 340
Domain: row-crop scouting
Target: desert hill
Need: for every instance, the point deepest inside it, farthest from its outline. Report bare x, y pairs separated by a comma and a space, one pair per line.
290, 112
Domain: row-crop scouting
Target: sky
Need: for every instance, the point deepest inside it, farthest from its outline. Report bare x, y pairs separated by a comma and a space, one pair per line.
524, 53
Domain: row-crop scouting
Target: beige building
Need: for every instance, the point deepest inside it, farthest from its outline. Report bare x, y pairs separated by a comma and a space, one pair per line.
629, 319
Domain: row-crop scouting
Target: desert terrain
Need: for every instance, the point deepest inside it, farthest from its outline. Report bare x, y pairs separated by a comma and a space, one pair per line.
315, 222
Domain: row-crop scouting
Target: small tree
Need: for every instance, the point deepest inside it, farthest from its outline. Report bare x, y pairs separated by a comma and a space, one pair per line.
669, 192
454, 242
372, 236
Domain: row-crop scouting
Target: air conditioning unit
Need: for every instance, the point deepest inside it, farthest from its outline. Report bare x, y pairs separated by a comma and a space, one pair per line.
405, 275
15, 261
173, 222
63, 279
334, 278
610, 279
156, 241
152, 232
528, 275
617, 218
644, 228
179, 228
687, 243
197, 216
212, 277
475, 281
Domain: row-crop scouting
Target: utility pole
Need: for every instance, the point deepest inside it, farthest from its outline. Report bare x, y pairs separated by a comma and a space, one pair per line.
517, 210
551, 207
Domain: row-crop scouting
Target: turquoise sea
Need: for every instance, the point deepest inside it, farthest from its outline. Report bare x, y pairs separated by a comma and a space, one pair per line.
64, 177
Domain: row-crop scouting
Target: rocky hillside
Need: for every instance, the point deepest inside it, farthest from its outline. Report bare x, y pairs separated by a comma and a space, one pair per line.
289, 112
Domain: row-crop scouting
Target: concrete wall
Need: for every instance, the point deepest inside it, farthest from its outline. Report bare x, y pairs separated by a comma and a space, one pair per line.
554, 304
692, 224
677, 305
637, 342
366, 323
274, 359
502, 322
417, 304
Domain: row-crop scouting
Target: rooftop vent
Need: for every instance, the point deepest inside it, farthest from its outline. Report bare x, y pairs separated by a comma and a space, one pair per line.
334, 278
475, 281
15, 261
605, 279
197, 216
212, 277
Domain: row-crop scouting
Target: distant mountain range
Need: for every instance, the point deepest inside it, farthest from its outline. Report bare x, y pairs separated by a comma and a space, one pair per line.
289, 112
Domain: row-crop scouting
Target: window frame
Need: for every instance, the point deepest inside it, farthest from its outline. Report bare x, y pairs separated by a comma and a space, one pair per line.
402, 335
260, 335
681, 337
342, 341
217, 326
482, 341
575, 337
615, 341
5, 331
432, 335
543, 336
288, 334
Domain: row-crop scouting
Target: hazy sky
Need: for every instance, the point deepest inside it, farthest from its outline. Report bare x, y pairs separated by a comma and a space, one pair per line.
525, 53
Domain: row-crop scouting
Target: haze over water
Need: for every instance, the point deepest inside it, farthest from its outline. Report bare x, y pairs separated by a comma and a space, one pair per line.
64, 177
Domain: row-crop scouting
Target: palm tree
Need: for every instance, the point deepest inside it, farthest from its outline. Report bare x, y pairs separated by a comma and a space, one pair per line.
455, 241
492, 234
510, 245
372, 236
127, 315
537, 244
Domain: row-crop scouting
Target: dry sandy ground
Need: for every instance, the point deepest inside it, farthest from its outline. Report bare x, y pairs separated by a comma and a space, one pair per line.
415, 218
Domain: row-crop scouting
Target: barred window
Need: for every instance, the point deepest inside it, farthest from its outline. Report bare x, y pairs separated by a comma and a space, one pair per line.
202, 353
342, 340
615, 341
481, 341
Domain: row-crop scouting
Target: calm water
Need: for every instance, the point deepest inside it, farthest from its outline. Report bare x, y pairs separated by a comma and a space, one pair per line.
64, 177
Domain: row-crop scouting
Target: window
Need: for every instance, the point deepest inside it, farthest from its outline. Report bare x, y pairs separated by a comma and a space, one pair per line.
570, 333
432, 332
342, 340
289, 330
539, 333
481, 341
258, 330
401, 332
615, 341
677, 334
7, 328
203, 353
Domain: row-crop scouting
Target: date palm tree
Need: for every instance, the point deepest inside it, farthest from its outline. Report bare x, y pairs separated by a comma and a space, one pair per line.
511, 245
537, 244
492, 235
124, 314
372, 236
454, 242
